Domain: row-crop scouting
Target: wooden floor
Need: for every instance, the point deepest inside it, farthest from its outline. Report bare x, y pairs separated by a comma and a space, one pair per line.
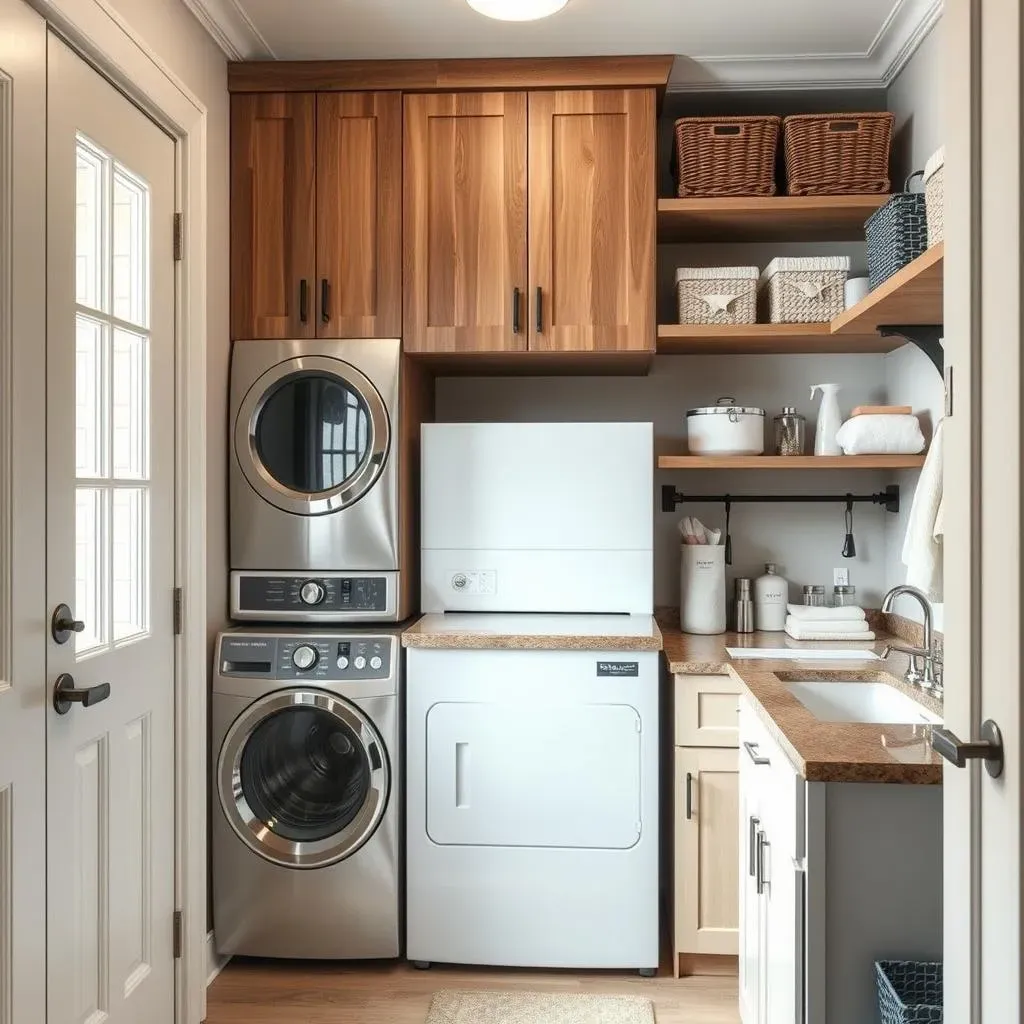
306, 992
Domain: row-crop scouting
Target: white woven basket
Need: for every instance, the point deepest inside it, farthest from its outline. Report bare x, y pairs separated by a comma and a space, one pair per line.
933, 195
803, 289
717, 295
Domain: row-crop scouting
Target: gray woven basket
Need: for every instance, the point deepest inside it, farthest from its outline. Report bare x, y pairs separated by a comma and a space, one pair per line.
897, 233
909, 992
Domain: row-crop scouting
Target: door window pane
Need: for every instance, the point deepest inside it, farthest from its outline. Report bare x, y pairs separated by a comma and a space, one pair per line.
130, 542
90, 226
131, 249
130, 404
90, 397
91, 536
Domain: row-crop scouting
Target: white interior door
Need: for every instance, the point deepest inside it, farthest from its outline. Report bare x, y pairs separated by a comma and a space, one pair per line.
110, 551
22, 514
982, 494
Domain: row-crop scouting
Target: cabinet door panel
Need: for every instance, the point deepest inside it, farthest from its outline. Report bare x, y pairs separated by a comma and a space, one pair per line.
706, 851
465, 221
707, 710
272, 215
592, 220
359, 214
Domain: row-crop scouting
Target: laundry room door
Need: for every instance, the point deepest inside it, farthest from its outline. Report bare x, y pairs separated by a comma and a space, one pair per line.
110, 553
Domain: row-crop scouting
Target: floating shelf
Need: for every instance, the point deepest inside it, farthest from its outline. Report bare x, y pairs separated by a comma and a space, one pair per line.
790, 461
913, 295
766, 339
766, 218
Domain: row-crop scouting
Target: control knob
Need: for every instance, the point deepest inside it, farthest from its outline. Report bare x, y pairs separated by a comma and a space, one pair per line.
375, 662
360, 663
304, 657
311, 592
342, 662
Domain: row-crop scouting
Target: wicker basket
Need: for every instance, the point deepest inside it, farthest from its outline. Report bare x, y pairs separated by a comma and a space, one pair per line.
717, 295
726, 156
897, 233
909, 992
933, 193
837, 154
803, 289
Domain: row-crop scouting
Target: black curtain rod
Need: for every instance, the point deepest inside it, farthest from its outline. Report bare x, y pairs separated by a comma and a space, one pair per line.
889, 498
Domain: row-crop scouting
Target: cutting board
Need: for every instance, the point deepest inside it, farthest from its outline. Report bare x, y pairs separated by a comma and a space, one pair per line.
882, 410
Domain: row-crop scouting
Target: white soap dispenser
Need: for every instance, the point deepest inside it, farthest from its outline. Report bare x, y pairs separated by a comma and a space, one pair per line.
771, 596
830, 419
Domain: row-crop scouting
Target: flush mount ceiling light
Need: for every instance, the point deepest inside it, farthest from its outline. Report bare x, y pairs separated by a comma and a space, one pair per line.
517, 10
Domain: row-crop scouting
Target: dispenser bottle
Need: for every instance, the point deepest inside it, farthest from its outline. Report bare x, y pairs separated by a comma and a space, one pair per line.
830, 419
771, 595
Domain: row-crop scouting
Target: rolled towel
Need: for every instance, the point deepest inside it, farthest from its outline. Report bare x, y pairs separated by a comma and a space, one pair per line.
824, 631
881, 435
809, 613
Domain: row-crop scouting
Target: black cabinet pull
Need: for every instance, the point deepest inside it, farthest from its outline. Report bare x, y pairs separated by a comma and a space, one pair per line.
303, 301
515, 310
325, 301
540, 310
689, 796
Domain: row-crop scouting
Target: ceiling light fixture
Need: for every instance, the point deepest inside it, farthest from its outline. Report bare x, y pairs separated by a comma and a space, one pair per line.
517, 10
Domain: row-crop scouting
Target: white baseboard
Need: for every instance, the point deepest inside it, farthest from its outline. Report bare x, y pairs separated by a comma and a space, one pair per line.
215, 963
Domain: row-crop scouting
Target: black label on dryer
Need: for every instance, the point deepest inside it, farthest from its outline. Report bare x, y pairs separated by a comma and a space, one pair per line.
618, 668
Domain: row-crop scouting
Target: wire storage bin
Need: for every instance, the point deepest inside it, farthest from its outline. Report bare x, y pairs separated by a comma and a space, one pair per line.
726, 156
934, 194
897, 233
837, 154
909, 992
803, 289
717, 295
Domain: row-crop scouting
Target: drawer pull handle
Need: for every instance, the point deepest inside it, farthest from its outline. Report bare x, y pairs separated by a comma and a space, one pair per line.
689, 796
752, 845
751, 749
762, 845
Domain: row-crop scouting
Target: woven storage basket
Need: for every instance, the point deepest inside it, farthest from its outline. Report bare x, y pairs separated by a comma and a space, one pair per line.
908, 992
717, 295
726, 156
837, 154
897, 233
803, 289
933, 194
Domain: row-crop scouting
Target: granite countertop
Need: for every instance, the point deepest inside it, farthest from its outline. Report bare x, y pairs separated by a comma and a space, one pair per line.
821, 751
482, 631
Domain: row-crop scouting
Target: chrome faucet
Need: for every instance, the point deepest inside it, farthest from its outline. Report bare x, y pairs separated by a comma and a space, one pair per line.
925, 664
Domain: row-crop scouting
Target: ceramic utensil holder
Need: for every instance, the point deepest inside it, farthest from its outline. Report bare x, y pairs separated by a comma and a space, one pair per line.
702, 588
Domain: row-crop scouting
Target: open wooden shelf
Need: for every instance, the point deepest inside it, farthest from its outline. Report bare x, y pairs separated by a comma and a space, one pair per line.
766, 339
913, 295
790, 461
766, 218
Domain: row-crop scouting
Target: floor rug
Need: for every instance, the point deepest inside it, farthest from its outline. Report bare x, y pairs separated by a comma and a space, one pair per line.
497, 1007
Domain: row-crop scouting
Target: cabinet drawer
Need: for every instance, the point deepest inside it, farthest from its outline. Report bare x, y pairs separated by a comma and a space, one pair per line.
707, 711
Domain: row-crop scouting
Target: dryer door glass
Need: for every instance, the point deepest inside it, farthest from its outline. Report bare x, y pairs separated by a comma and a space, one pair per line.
305, 774
313, 433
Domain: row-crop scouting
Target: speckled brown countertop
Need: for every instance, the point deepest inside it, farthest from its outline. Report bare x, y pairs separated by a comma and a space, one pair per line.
821, 751
483, 631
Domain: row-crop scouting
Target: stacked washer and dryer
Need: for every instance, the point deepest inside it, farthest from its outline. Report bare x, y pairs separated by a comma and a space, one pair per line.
307, 695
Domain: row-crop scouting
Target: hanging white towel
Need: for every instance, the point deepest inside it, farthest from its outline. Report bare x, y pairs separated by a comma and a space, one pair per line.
811, 613
922, 547
826, 625
824, 631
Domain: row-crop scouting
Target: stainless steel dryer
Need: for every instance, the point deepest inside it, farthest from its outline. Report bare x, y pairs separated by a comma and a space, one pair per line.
306, 794
314, 480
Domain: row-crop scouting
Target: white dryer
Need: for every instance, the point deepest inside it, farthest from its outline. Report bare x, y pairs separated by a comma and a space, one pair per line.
532, 811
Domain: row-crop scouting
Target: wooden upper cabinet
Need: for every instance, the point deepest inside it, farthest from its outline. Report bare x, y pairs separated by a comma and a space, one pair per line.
273, 246
359, 215
465, 222
593, 210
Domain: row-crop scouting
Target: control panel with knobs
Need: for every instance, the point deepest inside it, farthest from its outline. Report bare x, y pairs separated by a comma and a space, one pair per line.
304, 657
311, 592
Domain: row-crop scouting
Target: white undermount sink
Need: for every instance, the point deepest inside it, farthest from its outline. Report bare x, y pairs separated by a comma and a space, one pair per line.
876, 703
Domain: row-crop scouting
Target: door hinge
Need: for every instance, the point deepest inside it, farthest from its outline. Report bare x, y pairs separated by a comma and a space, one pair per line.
179, 236
949, 389
179, 613
179, 928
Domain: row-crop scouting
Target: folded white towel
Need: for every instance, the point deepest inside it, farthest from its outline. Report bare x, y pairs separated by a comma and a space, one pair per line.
824, 631
881, 435
828, 625
922, 547
807, 612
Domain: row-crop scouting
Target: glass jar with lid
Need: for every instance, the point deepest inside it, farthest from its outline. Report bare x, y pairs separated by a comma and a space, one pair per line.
844, 597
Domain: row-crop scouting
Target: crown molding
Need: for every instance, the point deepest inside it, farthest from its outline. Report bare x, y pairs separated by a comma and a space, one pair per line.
897, 40
231, 29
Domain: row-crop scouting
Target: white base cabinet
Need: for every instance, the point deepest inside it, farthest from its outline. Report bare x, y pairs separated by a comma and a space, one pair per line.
833, 876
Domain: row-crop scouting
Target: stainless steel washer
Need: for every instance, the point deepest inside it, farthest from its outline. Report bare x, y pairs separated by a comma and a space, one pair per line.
314, 480
306, 793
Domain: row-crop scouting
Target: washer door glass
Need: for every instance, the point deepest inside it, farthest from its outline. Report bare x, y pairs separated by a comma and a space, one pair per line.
312, 435
303, 778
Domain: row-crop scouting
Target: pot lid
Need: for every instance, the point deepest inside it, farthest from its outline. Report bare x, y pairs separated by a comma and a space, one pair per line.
726, 406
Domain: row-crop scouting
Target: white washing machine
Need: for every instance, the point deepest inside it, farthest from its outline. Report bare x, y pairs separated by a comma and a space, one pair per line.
532, 810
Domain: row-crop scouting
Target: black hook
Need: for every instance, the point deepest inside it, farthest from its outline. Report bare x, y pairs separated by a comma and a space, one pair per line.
728, 535
849, 545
